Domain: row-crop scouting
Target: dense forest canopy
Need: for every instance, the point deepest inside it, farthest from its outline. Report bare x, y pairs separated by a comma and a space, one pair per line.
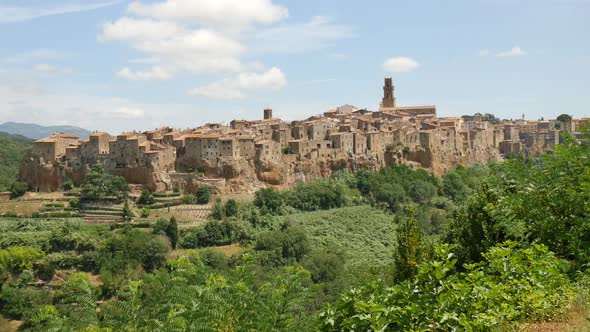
481, 248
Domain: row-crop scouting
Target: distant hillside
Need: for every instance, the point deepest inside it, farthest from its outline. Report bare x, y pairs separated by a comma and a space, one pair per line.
12, 150
35, 131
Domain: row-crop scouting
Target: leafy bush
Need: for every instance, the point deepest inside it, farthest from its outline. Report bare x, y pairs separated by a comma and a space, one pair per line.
14, 149
17, 189
282, 247
511, 285
324, 265
145, 212
218, 211
68, 185
133, 247
203, 195
213, 258
231, 208
99, 184
17, 259
268, 200
214, 233
146, 198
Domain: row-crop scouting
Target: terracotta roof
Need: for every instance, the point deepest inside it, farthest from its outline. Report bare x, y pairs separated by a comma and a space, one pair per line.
46, 140
66, 135
99, 133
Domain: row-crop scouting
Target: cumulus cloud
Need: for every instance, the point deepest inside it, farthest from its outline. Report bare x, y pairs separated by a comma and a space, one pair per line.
213, 37
515, 51
217, 13
400, 64
10, 14
127, 28
273, 79
174, 47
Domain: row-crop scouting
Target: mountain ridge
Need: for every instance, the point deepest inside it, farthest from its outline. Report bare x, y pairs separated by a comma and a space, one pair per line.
36, 131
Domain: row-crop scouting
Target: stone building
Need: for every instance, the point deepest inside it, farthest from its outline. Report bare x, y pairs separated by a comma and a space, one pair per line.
269, 150
53, 148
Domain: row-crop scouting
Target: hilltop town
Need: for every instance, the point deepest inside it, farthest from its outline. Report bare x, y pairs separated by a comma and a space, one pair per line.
250, 154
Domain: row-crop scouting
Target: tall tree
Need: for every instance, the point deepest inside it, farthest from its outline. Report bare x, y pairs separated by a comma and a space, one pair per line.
407, 251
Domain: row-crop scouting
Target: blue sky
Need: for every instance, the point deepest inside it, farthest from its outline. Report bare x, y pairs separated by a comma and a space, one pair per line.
125, 65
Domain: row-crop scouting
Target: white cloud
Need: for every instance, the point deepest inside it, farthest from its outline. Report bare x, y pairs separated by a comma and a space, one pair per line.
223, 89
273, 79
319, 32
126, 28
515, 51
218, 13
155, 73
44, 67
213, 37
400, 64
175, 47
127, 113
9, 14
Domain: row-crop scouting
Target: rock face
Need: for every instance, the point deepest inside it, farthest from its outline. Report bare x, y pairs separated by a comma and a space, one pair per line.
248, 176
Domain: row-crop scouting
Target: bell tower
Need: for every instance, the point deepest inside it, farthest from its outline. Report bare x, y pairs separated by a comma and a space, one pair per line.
388, 94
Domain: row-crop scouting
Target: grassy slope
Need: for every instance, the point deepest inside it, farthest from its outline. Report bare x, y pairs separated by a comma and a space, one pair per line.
12, 151
364, 234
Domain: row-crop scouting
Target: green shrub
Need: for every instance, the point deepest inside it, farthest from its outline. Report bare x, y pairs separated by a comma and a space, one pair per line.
213, 258
218, 211
324, 265
188, 199
100, 185
145, 212
146, 198
512, 285
231, 208
203, 195
68, 185
17, 259
17, 189
282, 247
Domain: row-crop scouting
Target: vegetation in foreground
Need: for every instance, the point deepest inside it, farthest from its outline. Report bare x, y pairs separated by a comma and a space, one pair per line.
14, 149
481, 248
